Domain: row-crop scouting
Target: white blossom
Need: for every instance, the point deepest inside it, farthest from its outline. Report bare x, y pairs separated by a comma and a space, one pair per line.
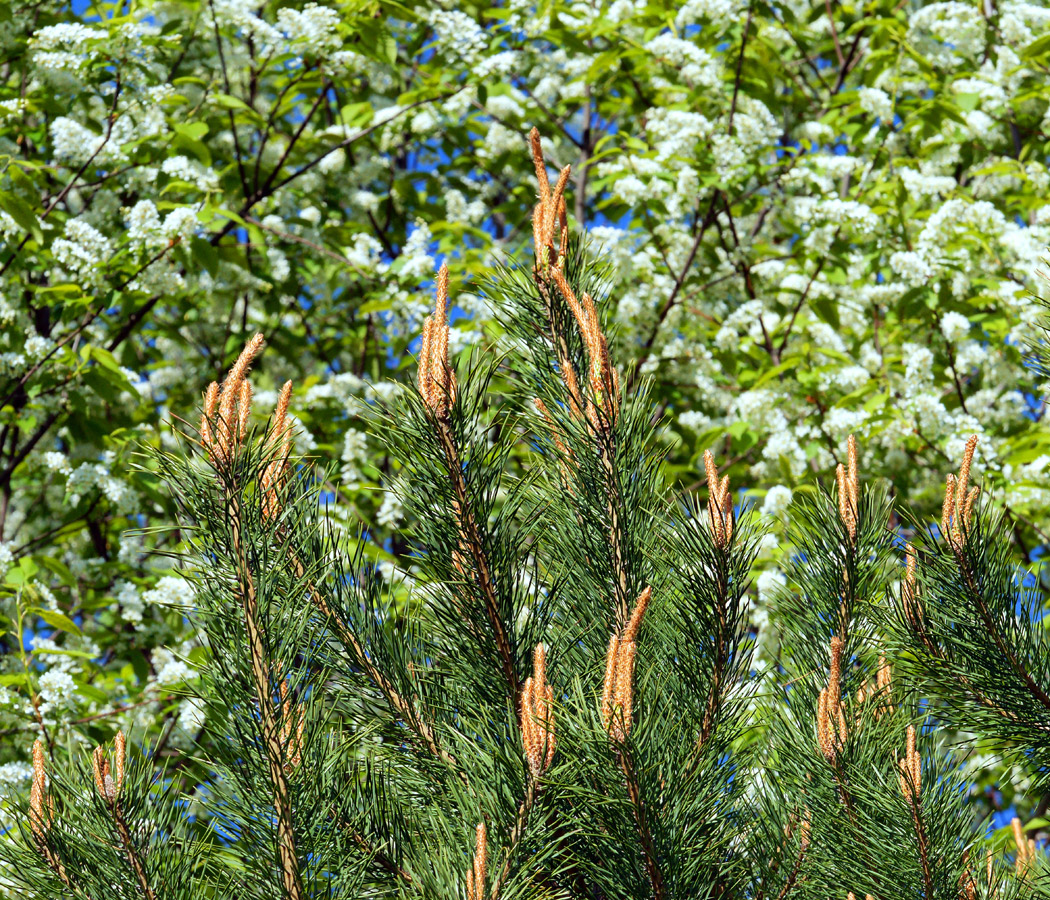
777, 500
57, 688
768, 583
83, 251
314, 27
169, 669
170, 591
15, 773
876, 102
37, 346
191, 715
390, 512
695, 65
189, 170
954, 326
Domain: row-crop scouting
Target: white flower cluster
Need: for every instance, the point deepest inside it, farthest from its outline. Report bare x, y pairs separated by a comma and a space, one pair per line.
15, 773
191, 715
876, 102
47, 651
37, 347
11, 108
241, 15
675, 133
88, 476
841, 422
1020, 23
458, 34
391, 511
954, 326
183, 168
72, 141
947, 34
171, 592
768, 583
64, 47
695, 65
131, 603
354, 456
170, 669
922, 183
314, 27
57, 689
778, 499
720, 13
416, 261
146, 231
139, 116
460, 212
83, 252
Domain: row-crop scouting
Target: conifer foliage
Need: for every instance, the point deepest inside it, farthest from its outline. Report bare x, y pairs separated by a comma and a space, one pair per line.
561, 702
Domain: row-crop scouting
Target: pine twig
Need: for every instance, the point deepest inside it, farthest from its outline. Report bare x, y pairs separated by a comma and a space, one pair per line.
652, 866
438, 389
397, 703
792, 878
516, 833
223, 429
290, 875
109, 786
473, 542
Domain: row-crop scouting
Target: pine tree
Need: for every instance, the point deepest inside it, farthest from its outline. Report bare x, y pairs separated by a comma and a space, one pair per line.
560, 699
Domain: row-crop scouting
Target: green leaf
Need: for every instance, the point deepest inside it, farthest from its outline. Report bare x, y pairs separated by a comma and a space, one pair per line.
227, 101
204, 253
61, 651
56, 620
827, 310
64, 573
14, 680
104, 358
357, 115
389, 48
140, 666
773, 373
1038, 47
193, 130
199, 150
22, 213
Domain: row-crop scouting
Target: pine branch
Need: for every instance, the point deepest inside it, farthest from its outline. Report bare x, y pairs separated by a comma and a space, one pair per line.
516, 834
398, 704
603, 436
245, 589
924, 852
55, 864
606, 455
792, 878
134, 860
718, 666
385, 861
993, 632
473, 541
652, 865
915, 625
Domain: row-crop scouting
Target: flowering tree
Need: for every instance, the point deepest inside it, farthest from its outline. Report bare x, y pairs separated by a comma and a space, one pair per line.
819, 219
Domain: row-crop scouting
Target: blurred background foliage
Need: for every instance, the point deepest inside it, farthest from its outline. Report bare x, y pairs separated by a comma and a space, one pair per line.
820, 219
